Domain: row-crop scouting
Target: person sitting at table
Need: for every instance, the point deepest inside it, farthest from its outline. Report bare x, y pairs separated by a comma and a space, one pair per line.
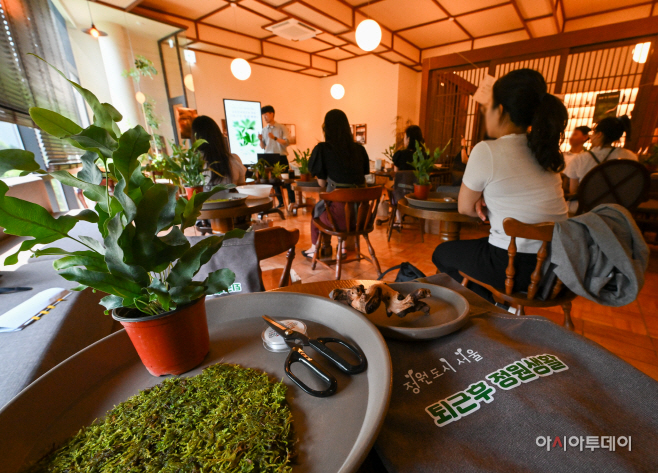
579, 136
337, 162
605, 133
516, 174
401, 159
222, 167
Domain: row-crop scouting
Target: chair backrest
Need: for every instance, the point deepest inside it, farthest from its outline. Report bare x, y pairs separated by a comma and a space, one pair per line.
360, 207
270, 242
619, 181
539, 231
403, 184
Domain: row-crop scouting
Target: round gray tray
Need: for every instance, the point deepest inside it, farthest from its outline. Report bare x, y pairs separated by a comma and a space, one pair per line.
235, 201
448, 313
435, 201
335, 433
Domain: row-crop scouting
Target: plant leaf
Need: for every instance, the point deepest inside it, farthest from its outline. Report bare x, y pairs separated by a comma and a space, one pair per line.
219, 281
53, 123
92, 192
102, 116
95, 139
111, 302
90, 172
92, 261
155, 212
158, 291
185, 294
17, 162
115, 115
104, 282
132, 144
114, 256
93, 243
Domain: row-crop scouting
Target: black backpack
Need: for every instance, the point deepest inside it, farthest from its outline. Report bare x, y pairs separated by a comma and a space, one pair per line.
408, 272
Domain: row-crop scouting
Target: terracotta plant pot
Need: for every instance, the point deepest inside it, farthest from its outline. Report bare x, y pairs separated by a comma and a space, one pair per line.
190, 191
305, 177
169, 343
421, 192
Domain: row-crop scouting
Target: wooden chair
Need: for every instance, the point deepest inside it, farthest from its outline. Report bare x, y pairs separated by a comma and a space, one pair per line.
271, 242
619, 181
360, 212
403, 184
559, 294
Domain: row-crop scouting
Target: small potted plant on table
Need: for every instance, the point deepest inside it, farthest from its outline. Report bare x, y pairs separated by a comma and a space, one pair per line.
260, 169
142, 260
423, 163
301, 160
277, 171
188, 164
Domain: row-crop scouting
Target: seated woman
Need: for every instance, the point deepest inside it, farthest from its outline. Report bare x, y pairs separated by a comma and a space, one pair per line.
336, 162
401, 159
222, 167
517, 174
606, 132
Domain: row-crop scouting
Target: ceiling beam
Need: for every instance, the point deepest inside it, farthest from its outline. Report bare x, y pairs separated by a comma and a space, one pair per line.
518, 12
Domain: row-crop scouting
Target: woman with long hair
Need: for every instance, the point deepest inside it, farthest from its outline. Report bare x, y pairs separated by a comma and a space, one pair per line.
222, 166
516, 174
605, 133
336, 162
401, 159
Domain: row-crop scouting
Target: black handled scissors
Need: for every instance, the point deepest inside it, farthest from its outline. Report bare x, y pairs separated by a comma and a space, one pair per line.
296, 340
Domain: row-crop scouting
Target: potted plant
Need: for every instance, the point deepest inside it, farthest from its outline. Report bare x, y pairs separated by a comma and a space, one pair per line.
188, 164
260, 168
142, 259
301, 160
277, 170
423, 163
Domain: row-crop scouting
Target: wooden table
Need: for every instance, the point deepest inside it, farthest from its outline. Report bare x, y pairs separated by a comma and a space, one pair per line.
451, 220
221, 220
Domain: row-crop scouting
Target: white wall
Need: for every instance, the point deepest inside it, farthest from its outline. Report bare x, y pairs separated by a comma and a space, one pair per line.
294, 97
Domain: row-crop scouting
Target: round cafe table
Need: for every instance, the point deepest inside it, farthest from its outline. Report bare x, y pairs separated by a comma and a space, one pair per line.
451, 220
221, 220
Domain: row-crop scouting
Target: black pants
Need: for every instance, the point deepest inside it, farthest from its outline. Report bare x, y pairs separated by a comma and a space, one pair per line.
279, 195
484, 262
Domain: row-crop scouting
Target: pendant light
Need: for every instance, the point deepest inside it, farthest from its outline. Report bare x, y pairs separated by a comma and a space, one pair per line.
140, 97
337, 91
239, 67
93, 31
368, 35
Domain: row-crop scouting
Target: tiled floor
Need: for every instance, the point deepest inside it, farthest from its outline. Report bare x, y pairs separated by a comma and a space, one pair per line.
631, 331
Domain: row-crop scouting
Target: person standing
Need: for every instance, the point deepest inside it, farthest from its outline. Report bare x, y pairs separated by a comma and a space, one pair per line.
274, 140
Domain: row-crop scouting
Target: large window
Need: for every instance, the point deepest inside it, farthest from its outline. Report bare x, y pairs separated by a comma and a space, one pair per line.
10, 138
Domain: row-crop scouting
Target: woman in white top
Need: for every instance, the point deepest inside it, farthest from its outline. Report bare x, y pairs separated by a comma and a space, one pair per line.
222, 167
606, 132
515, 175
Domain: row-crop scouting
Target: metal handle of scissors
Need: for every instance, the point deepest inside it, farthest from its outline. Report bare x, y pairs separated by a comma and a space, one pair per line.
320, 345
298, 355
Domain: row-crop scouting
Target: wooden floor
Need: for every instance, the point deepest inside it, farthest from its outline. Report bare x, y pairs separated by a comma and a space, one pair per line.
630, 332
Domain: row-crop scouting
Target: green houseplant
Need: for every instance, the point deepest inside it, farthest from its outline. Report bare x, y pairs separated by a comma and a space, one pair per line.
278, 169
260, 168
187, 165
301, 160
423, 163
141, 259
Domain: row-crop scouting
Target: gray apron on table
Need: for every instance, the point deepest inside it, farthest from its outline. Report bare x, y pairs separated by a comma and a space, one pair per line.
508, 394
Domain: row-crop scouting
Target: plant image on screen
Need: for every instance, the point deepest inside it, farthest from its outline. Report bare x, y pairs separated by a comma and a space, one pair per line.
244, 133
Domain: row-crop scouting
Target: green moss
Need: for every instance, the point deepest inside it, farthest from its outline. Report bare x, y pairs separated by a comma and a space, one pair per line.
226, 419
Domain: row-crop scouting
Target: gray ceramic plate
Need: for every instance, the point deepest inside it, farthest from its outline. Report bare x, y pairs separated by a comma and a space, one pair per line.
335, 433
448, 313
234, 201
435, 201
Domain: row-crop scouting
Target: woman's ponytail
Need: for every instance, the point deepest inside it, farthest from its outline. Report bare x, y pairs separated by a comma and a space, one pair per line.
614, 128
547, 132
523, 95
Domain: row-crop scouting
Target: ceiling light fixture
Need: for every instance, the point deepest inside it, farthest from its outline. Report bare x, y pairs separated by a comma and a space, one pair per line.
189, 82
93, 31
368, 35
240, 69
641, 52
337, 91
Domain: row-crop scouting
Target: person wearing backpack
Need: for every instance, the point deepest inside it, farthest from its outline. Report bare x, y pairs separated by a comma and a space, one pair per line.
605, 133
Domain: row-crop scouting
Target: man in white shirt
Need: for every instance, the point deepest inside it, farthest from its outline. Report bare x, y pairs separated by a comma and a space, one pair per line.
579, 136
274, 138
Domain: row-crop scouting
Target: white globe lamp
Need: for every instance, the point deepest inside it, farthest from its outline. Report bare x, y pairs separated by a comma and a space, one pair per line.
368, 35
189, 82
337, 91
140, 97
240, 69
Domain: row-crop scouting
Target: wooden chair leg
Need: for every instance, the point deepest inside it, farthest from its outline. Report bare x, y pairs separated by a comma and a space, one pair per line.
464, 281
318, 248
339, 258
371, 250
391, 223
566, 307
285, 277
519, 310
357, 247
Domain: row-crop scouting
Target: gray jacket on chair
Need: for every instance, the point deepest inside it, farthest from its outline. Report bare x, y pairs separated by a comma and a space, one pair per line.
601, 255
